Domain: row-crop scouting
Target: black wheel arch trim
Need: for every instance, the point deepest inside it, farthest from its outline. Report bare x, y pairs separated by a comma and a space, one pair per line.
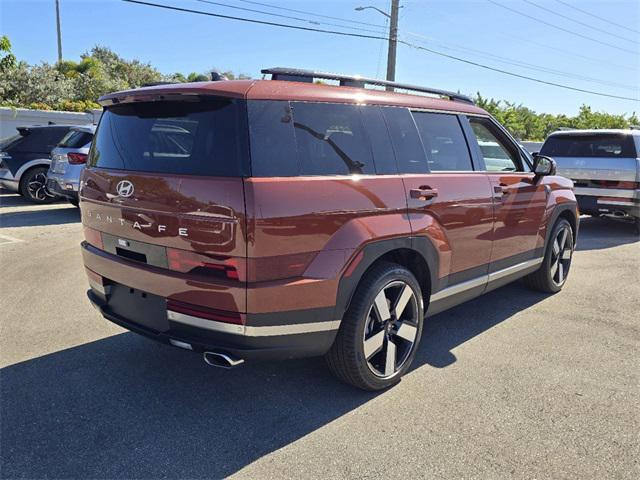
570, 207
374, 251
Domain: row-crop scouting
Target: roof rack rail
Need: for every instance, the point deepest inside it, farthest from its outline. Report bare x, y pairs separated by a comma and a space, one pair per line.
300, 75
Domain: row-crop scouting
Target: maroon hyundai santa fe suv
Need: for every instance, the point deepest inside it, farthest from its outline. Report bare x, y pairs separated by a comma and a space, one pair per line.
282, 218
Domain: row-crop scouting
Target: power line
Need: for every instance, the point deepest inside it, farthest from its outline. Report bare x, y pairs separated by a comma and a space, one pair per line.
537, 80
566, 4
519, 63
566, 30
360, 35
314, 22
277, 7
251, 20
553, 48
558, 14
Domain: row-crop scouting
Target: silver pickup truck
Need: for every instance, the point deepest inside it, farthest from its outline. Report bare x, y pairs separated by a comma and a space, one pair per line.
604, 166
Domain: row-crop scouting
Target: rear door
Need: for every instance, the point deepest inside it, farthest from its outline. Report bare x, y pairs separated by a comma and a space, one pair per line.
164, 185
449, 202
519, 199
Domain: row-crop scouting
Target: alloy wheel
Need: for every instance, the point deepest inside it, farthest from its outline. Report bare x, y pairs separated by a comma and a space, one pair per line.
561, 253
391, 329
37, 187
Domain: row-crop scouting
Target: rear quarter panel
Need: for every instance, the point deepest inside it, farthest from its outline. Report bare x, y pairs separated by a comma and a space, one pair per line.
302, 233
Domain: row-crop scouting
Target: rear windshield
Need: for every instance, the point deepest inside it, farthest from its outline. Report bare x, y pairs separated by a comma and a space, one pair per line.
205, 137
600, 145
75, 139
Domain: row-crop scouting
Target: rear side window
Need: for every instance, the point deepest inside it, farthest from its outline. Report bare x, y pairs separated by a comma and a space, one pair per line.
405, 140
75, 139
331, 139
207, 137
443, 141
273, 144
600, 145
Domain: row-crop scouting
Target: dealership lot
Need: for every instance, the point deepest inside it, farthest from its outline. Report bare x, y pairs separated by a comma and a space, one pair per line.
513, 384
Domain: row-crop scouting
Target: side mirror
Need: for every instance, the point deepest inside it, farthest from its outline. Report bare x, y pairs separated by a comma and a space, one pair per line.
543, 166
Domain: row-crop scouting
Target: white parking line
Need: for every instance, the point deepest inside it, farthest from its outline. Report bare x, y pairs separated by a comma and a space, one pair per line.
6, 239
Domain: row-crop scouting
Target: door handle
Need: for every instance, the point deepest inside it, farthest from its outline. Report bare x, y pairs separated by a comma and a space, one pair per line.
500, 191
423, 193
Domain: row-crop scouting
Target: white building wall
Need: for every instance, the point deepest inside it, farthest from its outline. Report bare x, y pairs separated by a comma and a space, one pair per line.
10, 118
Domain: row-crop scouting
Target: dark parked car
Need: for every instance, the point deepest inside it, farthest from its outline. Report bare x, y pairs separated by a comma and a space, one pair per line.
25, 159
280, 218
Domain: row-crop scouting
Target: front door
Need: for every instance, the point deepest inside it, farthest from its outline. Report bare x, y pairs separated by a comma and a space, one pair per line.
519, 198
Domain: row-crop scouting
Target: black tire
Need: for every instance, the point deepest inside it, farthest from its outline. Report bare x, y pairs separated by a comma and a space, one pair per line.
33, 186
74, 202
362, 324
553, 272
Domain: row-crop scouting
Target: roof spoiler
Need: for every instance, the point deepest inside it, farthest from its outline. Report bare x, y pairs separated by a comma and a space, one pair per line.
308, 76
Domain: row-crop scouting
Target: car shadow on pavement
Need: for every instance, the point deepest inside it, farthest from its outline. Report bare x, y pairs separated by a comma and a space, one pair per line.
127, 407
46, 216
448, 330
600, 233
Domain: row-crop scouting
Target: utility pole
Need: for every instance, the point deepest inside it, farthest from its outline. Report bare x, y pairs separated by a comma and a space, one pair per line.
393, 37
59, 33
393, 41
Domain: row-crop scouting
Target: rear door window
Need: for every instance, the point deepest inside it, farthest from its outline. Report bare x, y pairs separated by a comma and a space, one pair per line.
331, 139
378, 133
599, 145
443, 141
206, 137
405, 140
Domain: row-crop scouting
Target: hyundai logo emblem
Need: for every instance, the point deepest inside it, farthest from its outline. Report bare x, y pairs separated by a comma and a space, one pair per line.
124, 188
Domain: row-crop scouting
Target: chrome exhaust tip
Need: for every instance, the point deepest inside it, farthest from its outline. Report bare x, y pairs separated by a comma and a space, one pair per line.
221, 360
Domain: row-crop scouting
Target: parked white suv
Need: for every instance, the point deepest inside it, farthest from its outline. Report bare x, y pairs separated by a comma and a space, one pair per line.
604, 166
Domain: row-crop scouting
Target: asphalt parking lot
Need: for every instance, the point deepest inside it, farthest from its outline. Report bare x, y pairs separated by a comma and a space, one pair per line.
515, 384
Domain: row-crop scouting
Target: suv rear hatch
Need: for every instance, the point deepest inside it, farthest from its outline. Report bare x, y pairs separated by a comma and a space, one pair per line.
163, 203
595, 160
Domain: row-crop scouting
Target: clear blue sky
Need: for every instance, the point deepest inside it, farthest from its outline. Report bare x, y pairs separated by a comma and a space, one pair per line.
477, 30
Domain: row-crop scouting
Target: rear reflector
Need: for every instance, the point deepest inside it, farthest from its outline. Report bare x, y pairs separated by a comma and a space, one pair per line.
96, 281
77, 158
93, 237
204, 312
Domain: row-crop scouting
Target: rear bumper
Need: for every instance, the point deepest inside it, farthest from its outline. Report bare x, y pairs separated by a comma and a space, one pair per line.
608, 205
268, 335
63, 185
54, 187
199, 339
